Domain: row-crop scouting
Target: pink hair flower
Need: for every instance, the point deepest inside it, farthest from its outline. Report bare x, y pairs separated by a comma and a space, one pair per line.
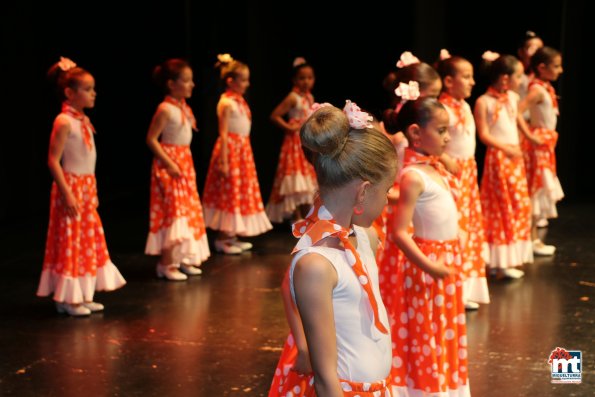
490, 56
408, 92
317, 106
444, 54
357, 119
407, 58
298, 61
66, 64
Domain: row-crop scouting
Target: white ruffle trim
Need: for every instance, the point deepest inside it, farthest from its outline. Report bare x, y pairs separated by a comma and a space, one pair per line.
544, 200
461, 391
297, 183
284, 209
180, 236
235, 223
75, 290
475, 289
505, 256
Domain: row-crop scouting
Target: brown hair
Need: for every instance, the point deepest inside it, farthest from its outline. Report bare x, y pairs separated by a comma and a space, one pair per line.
343, 154
543, 55
449, 66
421, 72
504, 64
420, 112
230, 69
169, 70
70, 78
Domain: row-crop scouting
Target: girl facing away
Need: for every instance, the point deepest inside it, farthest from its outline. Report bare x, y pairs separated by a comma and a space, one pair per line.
333, 278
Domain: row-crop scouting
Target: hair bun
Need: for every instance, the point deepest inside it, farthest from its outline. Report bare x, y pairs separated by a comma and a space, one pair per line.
326, 131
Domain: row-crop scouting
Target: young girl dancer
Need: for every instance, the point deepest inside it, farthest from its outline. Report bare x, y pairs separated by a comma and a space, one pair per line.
540, 157
177, 230
76, 260
232, 201
459, 158
504, 196
295, 180
333, 277
428, 321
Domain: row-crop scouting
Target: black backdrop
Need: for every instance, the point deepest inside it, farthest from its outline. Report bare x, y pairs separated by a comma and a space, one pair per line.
350, 48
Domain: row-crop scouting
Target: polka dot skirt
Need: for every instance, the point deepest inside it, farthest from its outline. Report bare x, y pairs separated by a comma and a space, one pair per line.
233, 203
176, 217
295, 181
506, 210
428, 325
77, 262
474, 251
542, 180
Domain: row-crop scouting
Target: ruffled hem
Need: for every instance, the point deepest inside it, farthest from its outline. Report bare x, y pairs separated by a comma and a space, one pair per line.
237, 224
544, 200
75, 290
297, 183
180, 236
475, 289
402, 391
511, 255
284, 209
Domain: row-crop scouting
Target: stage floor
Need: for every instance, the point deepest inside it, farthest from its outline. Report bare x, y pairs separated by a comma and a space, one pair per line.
220, 334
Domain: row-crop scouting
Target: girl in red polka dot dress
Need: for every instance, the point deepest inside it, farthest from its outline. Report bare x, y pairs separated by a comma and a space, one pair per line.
76, 262
504, 193
232, 201
414, 79
428, 316
295, 180
177, 230
459, 159
540, 157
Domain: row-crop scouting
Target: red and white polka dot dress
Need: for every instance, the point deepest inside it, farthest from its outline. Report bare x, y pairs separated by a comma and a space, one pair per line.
461, 147
505, 202
233, 203
77, 262
295, 181
176, 217
287, 382
540, 160
390, 259
428, 316
391, 255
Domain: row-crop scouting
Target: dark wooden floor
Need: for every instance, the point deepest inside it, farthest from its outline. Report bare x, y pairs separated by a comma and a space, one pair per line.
220, 334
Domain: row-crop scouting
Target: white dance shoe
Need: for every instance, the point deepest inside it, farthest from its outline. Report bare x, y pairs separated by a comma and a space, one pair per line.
190, 270
227, 247
170, 272
73, 310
